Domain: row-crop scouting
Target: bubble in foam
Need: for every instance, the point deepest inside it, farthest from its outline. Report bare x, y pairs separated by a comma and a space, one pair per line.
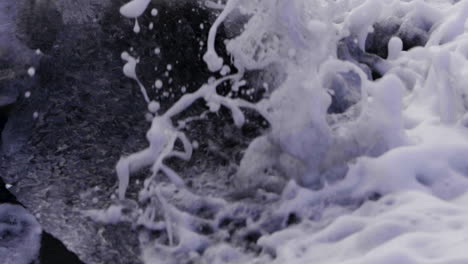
27, 94
154, 12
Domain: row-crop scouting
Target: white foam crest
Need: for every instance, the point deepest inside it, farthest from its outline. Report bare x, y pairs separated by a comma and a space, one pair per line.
406, 227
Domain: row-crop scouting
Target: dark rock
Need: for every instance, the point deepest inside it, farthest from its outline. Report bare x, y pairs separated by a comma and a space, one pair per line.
89, 114
371, 64
346, 89
38, 23
7, 97
52, 250
5, 195
411, 34
377, 41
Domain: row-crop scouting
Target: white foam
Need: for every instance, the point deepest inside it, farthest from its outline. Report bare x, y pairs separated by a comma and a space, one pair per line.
134, 8
129, 71
395, 46
406, 227
112, 215
20, 235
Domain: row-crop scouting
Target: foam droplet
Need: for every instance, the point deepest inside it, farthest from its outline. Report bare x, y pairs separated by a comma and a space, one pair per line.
31, 71
136, 28
214, 62
153, 106
158, 84
395, 46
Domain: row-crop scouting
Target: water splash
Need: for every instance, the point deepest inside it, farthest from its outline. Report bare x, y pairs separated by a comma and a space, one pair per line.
405, 132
